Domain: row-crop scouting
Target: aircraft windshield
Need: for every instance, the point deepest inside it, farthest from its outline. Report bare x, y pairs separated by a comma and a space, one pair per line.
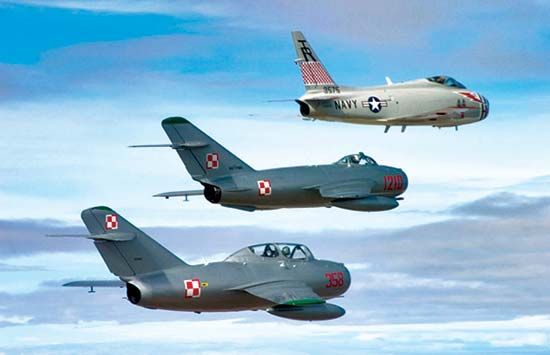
356, 159
447, 81
287, 250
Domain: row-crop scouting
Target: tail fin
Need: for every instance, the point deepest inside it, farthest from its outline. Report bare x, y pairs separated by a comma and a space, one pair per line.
313, 72
203, 157
126, 250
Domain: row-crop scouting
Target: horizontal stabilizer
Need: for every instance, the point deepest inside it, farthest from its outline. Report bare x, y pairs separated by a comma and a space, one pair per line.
95, 283
113, 236
187, 145
321, 98
180, 193
68, 235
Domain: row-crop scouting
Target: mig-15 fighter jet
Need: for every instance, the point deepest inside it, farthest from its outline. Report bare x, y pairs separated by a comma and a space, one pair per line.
355, 182
438, 101
283, 279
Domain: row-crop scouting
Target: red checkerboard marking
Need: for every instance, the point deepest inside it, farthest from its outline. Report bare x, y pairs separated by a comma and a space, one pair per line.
314, 73
264, 187
111, 222
212, 161
192, 288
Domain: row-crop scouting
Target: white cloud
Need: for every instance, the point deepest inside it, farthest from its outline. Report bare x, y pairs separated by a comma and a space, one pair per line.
383, 280
173, 8
529, 330
358, 266
521, 331
15, 319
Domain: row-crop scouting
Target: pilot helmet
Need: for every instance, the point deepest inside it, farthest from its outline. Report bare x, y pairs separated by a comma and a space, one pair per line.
286, 250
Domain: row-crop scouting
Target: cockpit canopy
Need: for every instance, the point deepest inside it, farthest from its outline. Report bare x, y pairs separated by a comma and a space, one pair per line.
272, 250
446, 80
356, 159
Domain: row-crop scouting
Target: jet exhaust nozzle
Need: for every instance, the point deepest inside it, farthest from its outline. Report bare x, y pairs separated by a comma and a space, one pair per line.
212, 193
305, 110
323, 311
139, 294
133, 293
369, 204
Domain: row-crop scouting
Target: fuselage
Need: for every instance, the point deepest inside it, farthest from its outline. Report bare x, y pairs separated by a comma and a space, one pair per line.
294, 187
418, 102
222, 284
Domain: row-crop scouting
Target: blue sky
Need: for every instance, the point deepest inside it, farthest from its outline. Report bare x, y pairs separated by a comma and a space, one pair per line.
81, 80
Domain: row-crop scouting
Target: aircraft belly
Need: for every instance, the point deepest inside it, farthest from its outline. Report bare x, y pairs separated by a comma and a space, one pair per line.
278, 188
215, 280
226, 301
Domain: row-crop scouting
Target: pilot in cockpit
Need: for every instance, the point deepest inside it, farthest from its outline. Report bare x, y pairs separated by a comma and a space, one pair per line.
270, 251
286, 251
356, 159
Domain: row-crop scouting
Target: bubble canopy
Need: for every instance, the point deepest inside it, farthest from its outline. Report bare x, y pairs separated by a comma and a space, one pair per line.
356, 159
273, 250
446, 81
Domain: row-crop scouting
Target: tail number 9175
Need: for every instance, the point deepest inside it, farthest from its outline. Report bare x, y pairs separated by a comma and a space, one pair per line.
393, 183
335, 279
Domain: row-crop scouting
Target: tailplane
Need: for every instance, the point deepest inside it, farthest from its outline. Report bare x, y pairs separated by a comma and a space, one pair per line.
314, 74
126, 250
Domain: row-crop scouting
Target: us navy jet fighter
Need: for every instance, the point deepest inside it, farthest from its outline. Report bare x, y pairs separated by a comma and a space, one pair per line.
355, 182
438, 101
283, 279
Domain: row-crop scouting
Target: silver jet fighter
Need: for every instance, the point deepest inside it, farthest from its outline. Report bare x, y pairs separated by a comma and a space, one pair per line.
283, 279
355, 182
438, 101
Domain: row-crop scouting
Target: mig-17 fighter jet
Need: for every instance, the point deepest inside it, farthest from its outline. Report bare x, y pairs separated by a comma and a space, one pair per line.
438, 101
355, 182
283, 279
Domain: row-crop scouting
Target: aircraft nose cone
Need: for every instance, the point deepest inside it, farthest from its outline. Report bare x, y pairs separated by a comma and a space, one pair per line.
347, 278
484, 108
405, 181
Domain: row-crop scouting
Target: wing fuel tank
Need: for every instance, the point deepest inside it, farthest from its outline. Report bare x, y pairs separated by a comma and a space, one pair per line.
371, 203
323, 311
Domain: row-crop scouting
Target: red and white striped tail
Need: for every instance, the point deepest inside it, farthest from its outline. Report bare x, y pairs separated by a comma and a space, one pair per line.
314, 73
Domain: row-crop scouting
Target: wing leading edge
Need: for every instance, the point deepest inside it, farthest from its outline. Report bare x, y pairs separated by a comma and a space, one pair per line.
295, 300
285, 292
346, 189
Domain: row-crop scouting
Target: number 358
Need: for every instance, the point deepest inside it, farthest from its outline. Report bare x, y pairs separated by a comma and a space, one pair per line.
335, 279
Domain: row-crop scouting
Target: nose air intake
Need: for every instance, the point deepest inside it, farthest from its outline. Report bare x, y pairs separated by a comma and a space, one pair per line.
484, 107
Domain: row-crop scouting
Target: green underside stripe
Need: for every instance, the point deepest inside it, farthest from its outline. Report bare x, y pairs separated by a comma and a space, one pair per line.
305, 302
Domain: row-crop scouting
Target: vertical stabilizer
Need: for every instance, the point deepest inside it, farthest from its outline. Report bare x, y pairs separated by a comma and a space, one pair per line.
204, 158
126, 250
314, 74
